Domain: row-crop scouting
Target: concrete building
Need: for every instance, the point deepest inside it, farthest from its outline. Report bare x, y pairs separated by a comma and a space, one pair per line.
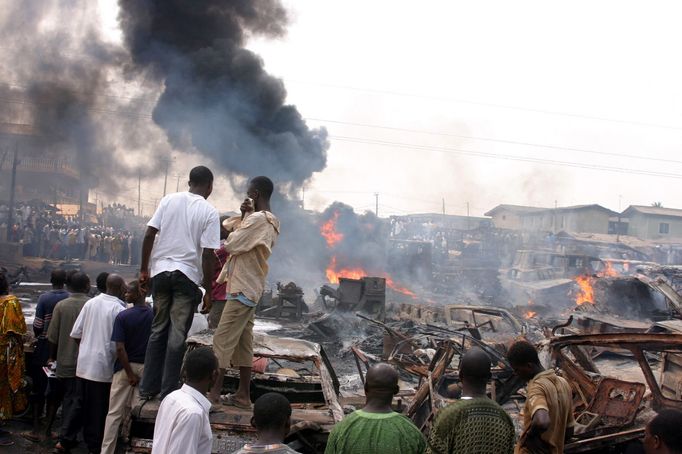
510, 216
653, 223
43, 173
580, 219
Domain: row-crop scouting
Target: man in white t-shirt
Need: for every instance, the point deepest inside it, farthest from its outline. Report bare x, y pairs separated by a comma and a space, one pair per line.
182, 425
96, 356
180, 240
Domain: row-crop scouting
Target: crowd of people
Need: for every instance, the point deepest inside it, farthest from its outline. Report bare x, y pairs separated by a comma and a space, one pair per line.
97, 353
43, 232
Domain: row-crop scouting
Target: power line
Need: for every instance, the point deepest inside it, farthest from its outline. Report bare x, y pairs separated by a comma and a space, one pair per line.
505, 141
488, 104
505, 157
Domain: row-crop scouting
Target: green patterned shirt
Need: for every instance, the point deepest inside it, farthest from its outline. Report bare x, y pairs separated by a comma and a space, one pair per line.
370, 433
472, 426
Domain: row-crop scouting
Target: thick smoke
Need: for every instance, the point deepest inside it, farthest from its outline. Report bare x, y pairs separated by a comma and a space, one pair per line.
217, 96
58, 81
364, 239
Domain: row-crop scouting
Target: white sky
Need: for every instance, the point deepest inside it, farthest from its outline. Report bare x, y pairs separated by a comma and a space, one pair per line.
449, 67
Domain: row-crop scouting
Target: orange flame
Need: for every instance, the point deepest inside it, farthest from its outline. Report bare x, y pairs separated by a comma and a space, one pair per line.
585, 292
609, 271
392, 285
333, 276
328, 231
530, 314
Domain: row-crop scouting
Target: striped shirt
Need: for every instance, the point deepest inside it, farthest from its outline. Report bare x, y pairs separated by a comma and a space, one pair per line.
44, 310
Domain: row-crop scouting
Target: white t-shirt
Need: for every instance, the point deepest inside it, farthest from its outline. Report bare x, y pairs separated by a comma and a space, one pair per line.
187, 224
182, 425
96, 352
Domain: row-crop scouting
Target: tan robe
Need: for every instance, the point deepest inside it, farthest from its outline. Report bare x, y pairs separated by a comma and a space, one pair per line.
249, 246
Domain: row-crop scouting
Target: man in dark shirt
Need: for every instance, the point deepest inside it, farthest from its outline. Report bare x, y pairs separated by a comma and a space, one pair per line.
41, 323
132, 329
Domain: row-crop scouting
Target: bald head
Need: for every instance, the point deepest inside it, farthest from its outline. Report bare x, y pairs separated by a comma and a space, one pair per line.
116, 286
474, 367
381, 382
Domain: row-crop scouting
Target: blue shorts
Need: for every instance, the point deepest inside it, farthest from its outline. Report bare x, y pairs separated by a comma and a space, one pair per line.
241, 298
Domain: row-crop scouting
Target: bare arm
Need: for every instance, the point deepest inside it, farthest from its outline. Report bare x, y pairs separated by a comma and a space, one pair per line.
147, 246
538, 425
122, 356
208, 259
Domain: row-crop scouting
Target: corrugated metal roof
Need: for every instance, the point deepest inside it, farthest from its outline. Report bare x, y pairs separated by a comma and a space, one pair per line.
515, 209
654, 211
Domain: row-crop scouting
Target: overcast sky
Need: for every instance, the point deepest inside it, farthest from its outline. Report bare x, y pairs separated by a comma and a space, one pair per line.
408, 95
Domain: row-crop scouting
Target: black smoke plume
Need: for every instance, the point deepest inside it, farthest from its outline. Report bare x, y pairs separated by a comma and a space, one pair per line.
58, 83
217, 96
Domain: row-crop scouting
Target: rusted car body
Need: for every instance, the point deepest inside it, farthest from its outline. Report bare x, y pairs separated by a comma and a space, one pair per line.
298, 369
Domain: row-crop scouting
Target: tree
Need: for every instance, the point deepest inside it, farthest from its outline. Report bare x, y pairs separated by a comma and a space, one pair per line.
657, 205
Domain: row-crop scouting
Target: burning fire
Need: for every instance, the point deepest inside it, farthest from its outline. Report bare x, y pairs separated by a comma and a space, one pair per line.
328, 231
586, 292
392, 285
609, 271
529, 314
333, 275
332, 237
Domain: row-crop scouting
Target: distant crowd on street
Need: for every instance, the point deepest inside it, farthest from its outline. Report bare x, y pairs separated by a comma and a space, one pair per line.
43, 232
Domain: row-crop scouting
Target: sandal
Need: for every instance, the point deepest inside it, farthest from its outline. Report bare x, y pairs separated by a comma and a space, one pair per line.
30, 436
230, 401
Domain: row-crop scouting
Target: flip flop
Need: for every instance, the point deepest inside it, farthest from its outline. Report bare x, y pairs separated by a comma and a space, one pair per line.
229, 401
30, 436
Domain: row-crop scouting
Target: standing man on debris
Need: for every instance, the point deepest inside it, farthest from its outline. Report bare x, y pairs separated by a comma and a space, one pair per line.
96, 355
475, 423
548, 414
187, 232
132, 328
376, 428
249, 245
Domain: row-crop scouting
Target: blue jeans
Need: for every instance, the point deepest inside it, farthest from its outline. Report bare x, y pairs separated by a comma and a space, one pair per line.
176, 299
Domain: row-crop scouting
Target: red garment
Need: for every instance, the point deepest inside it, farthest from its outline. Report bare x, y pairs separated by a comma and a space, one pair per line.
218, 291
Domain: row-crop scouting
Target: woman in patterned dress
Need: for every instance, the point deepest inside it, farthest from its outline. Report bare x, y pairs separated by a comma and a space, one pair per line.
12, 329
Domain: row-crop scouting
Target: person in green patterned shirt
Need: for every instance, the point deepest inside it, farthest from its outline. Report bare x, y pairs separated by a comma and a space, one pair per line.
377, 428
475, 424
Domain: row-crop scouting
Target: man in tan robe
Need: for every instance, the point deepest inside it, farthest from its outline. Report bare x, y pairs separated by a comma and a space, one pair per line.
250, 244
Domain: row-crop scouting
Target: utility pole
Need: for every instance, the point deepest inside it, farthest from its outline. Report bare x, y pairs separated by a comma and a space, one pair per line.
165, 177
139, 184
80, 208
376, 206
10, 213
443, 206
177, 183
